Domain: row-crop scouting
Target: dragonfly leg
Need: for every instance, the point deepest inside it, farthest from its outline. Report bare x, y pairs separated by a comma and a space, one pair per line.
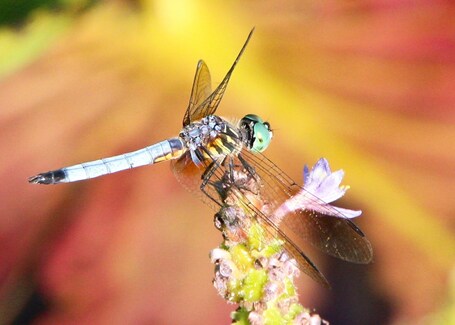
207, 175
247, 166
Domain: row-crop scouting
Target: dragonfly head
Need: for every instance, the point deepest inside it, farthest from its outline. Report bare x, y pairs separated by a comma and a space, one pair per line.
257, 133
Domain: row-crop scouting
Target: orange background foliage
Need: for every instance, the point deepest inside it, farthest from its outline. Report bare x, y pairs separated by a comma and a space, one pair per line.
367, 84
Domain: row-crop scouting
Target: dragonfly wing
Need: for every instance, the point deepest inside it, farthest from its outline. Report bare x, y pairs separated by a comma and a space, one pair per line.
269, 226
191, 177
210, 103
201, 90
333, 234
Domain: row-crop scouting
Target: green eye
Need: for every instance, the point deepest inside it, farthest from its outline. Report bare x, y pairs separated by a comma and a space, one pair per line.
262, 136
259, 134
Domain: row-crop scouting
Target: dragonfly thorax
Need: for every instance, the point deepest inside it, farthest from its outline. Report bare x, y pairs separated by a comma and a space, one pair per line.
210, 138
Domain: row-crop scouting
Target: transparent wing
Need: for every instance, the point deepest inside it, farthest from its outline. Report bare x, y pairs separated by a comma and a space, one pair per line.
191, 178
209, 104
333, 234
202, 89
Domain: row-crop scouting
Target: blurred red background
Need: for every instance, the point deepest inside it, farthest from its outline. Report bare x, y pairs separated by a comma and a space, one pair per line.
367, 84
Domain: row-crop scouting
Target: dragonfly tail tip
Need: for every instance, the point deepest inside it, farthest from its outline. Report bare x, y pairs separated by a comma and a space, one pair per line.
40, 179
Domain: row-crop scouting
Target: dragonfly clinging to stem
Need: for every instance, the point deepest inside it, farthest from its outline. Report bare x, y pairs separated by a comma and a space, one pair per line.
207, 147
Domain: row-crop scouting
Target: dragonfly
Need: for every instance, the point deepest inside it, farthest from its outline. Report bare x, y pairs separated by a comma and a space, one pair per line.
204, 152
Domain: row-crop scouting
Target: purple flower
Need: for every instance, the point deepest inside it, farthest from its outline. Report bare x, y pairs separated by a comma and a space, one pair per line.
321, 186
323, 183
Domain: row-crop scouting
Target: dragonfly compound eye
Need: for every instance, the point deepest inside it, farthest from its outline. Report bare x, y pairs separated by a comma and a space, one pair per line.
257, 133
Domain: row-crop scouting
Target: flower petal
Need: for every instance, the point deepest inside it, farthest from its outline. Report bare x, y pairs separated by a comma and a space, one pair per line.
321, 187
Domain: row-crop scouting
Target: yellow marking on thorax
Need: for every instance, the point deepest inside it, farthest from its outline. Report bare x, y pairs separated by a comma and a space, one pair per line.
219, 144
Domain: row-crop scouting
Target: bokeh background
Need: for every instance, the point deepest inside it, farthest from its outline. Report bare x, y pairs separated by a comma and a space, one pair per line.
368, 84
